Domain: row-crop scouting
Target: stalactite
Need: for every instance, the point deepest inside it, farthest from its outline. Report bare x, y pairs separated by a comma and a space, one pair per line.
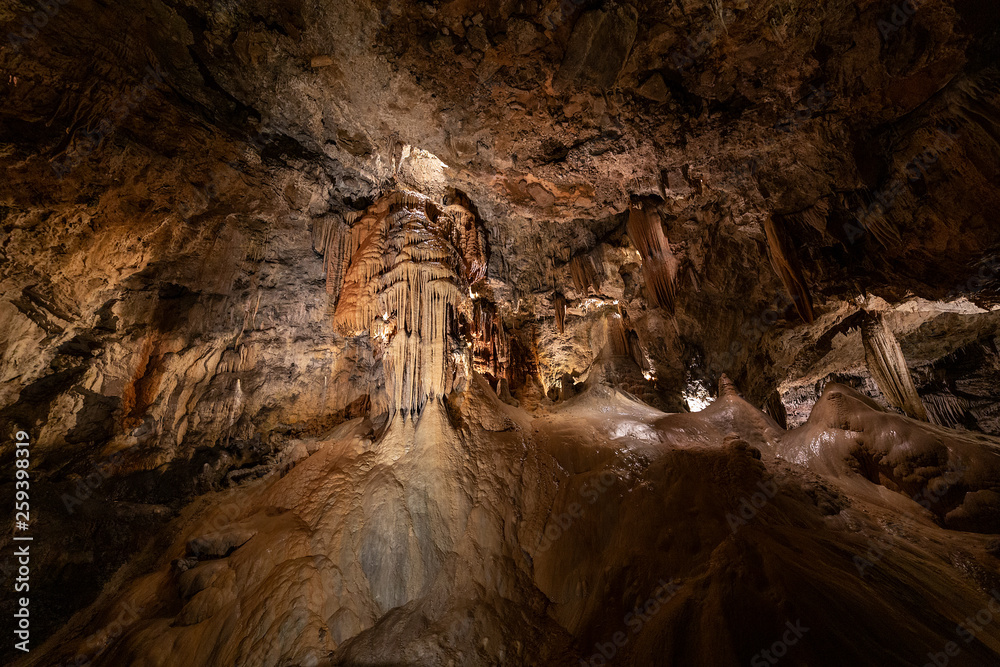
635, 350
587, 272
408, 271
464, 234
776, 409
559, 305
618, 338
816, 215
786, 265
695, 286
888, 366
623, 341
491, 345
945, 409
237, 360
873, 221
521, 364
659, 266
331, 238
257, 248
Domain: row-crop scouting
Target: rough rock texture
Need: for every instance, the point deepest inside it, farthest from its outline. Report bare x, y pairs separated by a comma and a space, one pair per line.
186, 186
479, 535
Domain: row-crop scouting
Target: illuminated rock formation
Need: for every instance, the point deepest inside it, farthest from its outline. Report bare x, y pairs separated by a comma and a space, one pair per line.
490, 343
587, 272
659, 266
410, 267
888, 366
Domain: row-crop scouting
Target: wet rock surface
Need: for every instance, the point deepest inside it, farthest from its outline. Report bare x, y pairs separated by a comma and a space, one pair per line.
447, 541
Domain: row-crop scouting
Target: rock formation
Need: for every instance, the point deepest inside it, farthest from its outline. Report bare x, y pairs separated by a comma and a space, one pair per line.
888, 366
409, 273
549, 332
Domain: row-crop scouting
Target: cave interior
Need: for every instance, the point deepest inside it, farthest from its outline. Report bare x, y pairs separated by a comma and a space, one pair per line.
531, 332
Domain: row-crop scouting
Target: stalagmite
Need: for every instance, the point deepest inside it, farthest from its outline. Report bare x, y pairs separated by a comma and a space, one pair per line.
317, 344
659, 266
503, 391
888, 366
726, 387
567, 387
786, 265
